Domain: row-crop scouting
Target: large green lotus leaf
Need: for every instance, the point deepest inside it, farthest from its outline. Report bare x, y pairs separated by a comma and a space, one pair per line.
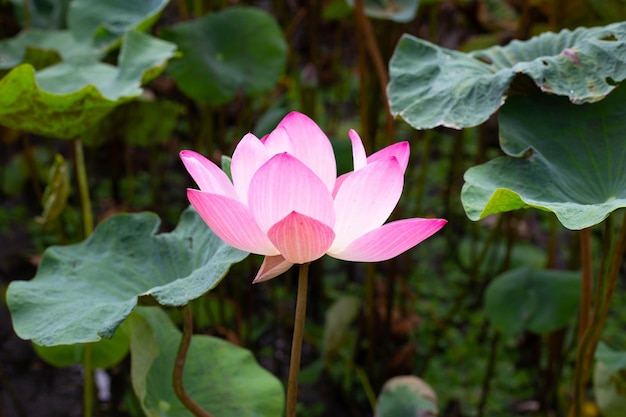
65, 99
105, 22
566, 158
222, 378
83, 292
237, 49
397, 10
42, 48
537, 301
433, 86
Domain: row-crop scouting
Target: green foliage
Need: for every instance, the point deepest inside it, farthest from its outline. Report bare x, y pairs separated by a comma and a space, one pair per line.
565, 158
221, 57
141, 122
432, 86
123, 259
222, 378
536, 301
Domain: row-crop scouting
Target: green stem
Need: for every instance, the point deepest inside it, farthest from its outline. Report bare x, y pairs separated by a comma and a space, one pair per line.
179, 366
296, 344
83, 187
88, 385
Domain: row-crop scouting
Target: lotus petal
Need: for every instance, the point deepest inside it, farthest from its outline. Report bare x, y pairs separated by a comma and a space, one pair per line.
389, 241
366, 199
272, 267
284, 184
209, 177
400, 151
301, 239
248, 157
359, 158
311, 146
231, 221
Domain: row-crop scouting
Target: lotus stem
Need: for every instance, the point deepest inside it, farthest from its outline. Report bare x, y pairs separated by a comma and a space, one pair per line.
179, 366
83, 187
85, 202
607, 282
296, 344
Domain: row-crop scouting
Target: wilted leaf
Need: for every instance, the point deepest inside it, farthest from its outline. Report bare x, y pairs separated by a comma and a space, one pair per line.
55, 196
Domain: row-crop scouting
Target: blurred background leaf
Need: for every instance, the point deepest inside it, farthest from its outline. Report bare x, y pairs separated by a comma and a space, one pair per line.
222, 57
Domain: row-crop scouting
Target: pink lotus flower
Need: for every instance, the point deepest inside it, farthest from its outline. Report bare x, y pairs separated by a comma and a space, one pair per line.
286, 202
